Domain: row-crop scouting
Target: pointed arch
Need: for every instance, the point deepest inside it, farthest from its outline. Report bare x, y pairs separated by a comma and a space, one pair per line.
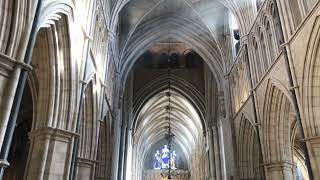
310, 80
248, 151
276, 130
55, 76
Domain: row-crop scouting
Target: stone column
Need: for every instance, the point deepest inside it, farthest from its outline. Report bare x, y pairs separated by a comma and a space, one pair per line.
216, 151
280, 171
49, 154
212, 161
313, 145
85, 169
9, 74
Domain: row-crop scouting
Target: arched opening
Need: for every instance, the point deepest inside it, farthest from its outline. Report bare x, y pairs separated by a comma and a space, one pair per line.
19, 149
279, 118
295, 12
259, 4
104, 152
52, 84
146, 97
277, 26
235, 33
250, 162
150, 136
264, 57
270, 40
310, 94
301, 172
86, 154
258, 60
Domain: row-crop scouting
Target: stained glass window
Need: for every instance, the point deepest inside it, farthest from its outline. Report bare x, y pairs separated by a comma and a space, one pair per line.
162, 158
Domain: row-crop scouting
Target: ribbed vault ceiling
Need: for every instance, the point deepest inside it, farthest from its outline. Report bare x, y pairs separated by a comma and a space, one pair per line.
201, 24
212, 15
142, 10
198, 23
152, 125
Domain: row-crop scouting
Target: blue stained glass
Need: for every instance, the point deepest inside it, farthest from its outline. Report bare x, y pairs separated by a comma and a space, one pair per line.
165, 157
162, 159
157, 161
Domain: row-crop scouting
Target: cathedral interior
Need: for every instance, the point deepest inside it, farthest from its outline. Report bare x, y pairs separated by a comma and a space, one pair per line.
159, 89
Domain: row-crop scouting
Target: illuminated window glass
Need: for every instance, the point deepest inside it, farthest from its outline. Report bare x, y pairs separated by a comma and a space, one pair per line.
162, 158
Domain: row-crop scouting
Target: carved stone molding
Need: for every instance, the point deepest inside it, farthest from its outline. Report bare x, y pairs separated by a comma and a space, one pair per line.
7, 64
279, 165
84, 162
52, 133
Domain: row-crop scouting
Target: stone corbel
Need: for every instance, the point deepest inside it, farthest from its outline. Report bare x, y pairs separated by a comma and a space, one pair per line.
293, 87
257, 124
244, 39
284, 45
83, 82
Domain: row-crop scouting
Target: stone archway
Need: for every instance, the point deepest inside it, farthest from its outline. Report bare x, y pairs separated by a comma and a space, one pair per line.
19, 149
249, 160
277, 133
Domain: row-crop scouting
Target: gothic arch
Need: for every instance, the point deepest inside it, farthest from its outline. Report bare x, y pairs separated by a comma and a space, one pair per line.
248, 151
139, 50
88, 130
276, 131
15, 20
153, 123
19, 148
55, 22
54, 76
104, 153
53, 11
310, 81
182, 87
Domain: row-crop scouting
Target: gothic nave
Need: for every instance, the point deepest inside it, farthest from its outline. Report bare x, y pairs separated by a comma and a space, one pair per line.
159, 89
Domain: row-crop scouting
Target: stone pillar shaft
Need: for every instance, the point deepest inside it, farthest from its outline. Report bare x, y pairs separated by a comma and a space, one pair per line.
212, 161
280, 171
216, 151
9, 75
50, 153
85, 169
313, 145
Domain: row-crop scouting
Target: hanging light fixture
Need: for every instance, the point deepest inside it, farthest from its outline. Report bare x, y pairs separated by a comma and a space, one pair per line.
169, 173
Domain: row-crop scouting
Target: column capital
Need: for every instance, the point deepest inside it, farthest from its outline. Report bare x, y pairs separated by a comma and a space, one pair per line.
49, 132
280, 165
244, 39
